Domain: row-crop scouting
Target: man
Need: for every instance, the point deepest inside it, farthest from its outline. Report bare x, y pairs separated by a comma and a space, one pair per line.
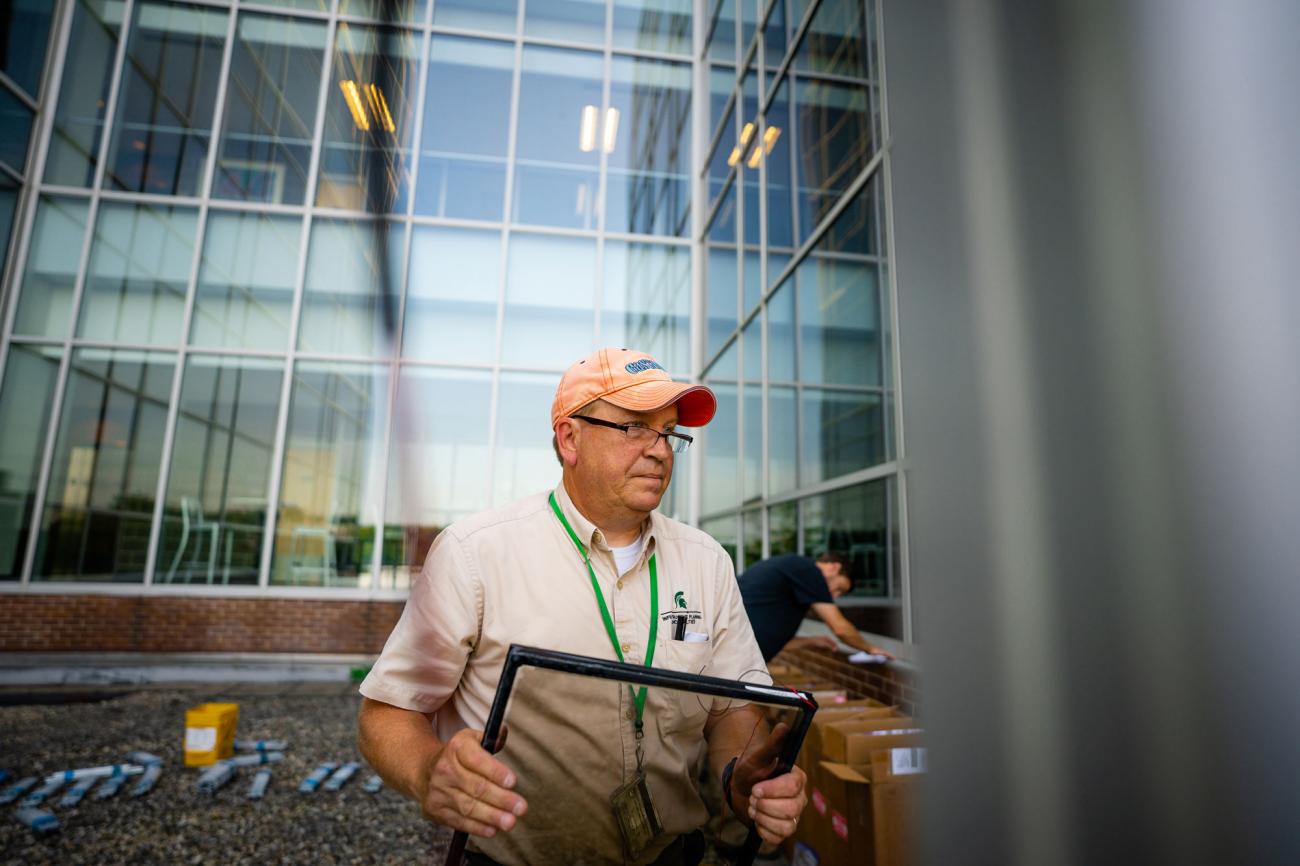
572, 570
778, 592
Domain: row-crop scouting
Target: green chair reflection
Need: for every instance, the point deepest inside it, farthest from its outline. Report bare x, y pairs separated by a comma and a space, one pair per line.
195, 528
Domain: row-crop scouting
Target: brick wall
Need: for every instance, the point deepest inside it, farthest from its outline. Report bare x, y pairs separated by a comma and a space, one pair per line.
157, 624
889, 683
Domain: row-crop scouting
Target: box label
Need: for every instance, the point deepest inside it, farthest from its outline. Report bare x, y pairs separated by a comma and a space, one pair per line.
907, 762
840, 825
803, 855
200, 739
819, 802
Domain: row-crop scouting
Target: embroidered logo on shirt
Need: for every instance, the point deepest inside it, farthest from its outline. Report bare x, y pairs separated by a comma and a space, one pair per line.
679, 599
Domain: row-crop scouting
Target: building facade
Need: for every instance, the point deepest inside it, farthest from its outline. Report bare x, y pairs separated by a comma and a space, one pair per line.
287, 291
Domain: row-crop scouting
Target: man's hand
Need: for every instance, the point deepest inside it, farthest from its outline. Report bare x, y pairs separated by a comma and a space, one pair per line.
773, 805
468, 789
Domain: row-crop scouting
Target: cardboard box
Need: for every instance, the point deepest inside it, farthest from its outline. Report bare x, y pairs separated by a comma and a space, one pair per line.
895, 775
835, 734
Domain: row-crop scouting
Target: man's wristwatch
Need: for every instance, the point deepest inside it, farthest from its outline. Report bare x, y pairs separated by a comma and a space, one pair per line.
726, 781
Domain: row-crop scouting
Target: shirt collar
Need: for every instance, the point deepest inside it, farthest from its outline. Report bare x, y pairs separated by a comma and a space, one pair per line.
590, 534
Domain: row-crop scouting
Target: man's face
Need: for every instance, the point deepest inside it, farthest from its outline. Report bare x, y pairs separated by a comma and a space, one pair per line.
836, 581
617, 469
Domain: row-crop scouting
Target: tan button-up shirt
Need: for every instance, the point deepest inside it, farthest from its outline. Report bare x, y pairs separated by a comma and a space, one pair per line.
513, 576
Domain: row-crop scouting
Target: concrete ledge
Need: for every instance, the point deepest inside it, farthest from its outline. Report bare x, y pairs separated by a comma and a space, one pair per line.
27, 669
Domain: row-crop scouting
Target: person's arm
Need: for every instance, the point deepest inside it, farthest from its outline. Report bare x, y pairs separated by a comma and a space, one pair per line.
820, 641
845, 630
457, 783
771, 805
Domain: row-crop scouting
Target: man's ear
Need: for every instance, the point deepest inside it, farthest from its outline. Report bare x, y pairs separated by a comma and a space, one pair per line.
566, 441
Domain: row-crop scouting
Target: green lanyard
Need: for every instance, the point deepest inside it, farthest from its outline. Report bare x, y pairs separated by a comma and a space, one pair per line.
638, 697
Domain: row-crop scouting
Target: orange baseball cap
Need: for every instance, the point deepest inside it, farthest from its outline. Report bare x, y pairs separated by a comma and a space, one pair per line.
631, 380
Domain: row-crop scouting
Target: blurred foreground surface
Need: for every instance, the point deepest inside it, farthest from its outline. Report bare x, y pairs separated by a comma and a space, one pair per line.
174, 823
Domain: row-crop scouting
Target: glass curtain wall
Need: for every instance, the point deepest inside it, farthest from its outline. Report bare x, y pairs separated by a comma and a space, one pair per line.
238, 356
798, 336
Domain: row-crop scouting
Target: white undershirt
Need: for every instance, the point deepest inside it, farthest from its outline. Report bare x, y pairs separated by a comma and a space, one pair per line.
626, 557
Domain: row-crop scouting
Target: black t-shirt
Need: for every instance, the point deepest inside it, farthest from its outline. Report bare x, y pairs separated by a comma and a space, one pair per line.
777, 594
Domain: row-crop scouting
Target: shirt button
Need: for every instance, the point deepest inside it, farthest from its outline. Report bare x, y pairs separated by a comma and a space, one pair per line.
619, 584
627, 647
628, 715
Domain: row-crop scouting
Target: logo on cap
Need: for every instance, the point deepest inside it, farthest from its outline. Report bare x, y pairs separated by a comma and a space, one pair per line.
643, 365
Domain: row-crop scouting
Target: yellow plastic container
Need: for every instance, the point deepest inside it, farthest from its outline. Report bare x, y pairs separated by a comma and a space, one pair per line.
210, 733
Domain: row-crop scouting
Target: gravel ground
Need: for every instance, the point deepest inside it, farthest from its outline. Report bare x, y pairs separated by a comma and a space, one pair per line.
176, 824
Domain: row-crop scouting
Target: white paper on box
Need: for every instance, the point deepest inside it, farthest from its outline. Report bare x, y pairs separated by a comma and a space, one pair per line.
908, 762
200, 739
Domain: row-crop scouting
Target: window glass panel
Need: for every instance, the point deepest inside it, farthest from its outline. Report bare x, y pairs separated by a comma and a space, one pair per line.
751, 525
780, 201
104, 475
50, 276
722, 276
330, 486
724, 531
165, 106
722, 31
405, 11
365, 122
8, 207
722, 82
752, 406
839, 325
647, 301
853, 522
776, 38
570, 20
726, 154
550, 295
466, 129
838, 40
342, 304
561, 132
270, 114
24, 32
525, 461
843, 431
451, 295
15, 129
780, 334
140, 262
721, 482
314, 5
783, 529
835, 141
447, 439
214, 511
74, 143
782, 444
748, 22
492, 15
246, 279
25, 401
653, 25
649, 122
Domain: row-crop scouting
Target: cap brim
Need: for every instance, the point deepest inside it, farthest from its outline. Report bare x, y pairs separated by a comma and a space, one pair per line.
696, 404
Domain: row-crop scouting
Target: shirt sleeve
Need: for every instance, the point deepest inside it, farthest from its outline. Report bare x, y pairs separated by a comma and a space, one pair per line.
425, 655
808, 584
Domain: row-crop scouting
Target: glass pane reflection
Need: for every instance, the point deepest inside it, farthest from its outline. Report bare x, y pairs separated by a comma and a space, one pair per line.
782, 444
647, 185
466, 129
214, 511
246, 279
550, 294
140, 263
490, 15
330, 486
722, 301
835, 139
843, 431
451, 296
524, 462
342, 304
438, 465
569, 20
725, 531
104, 475
23, 36
83, 94
168, 92
653, 25
270, 113
25, 402
751, 526
45, 302
15, 129
783, 529
721, 489
839, 321
647, 301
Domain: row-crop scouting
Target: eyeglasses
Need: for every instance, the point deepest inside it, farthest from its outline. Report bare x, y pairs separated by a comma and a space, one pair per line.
642, 436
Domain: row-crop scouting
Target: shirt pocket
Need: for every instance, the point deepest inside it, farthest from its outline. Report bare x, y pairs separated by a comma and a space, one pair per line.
680, 711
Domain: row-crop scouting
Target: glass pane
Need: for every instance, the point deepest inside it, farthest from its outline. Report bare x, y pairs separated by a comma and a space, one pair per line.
246, 279
783, 528
725, 532
140, 262
405, 11
647, 185
550, 295
270, 114
561, 128
466, 129
780, 334
492, 15
451, 295
653, 25
721, 490
314, 5
723, 273
751, 525
835, 142
722, 81
165, 106
853, 522
524, 463
843, 431
722, 31
752, 262
728, 150
647, 301
449, 444
15, 129
365, 123
752, 479
780, 202
214, 512
344, 296
9, 190
45, 302
24, 32
776, 38
782, 444
330, 486
104, 476
838, 40
25, 401
569, 20
74, 144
